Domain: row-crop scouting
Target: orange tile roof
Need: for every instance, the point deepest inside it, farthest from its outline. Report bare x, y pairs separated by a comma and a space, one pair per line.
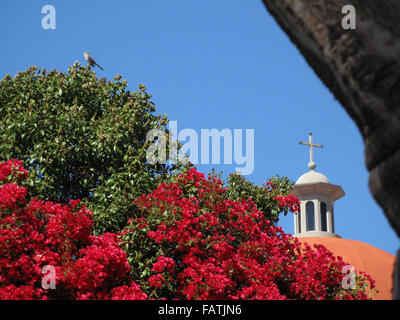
377, 263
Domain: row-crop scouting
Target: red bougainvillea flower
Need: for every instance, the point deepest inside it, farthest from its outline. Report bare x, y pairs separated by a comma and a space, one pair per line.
290, 201
36, 233
12, 169
190, 242
216, 248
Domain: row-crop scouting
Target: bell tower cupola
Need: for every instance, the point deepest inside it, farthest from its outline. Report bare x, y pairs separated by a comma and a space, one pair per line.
317, 198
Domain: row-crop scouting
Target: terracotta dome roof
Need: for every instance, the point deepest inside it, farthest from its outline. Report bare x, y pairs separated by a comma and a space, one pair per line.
377, 263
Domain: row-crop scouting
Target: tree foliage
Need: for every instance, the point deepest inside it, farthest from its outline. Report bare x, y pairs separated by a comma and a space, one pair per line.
81, 137
264, 196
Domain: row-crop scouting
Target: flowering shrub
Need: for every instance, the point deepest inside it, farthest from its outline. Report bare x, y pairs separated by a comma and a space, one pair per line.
35, 233
194, 243
191, 242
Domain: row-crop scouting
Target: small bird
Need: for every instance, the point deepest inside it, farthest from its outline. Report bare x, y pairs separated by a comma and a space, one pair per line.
90, 60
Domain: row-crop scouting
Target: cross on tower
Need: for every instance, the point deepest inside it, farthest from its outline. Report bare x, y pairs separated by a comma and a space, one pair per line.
311, 164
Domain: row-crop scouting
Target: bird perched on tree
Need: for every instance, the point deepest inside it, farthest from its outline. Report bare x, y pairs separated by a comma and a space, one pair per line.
90, 60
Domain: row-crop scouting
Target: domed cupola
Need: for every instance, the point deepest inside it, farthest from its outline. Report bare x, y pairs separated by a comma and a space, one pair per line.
317, 197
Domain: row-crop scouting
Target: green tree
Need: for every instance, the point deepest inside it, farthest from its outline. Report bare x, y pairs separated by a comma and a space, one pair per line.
263, 196
82, 137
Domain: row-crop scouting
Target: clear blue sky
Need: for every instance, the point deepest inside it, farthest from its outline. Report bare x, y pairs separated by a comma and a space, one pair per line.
211, 64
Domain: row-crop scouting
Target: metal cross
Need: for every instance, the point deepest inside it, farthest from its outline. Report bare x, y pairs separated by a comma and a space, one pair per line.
310, 144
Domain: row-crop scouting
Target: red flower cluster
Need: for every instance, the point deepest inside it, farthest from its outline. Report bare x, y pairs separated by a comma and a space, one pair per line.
12, 169
214, 248
35, 234
191, 242
11, 194
163, 263
290, 201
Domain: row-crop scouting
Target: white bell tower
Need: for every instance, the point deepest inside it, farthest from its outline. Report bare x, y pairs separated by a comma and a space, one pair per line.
317, 197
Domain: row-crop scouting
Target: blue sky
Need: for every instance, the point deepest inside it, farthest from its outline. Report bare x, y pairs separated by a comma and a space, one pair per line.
211, 64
